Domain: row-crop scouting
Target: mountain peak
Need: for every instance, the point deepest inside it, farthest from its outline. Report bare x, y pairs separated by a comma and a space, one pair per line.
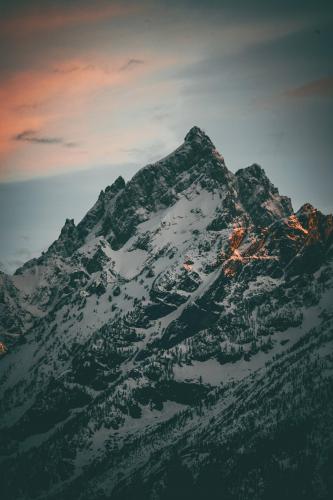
118, 184
306, 208
170, 285
253, 170
198, 137
67, 228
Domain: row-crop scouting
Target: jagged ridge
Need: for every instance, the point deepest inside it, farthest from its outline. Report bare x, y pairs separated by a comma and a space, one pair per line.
186, 277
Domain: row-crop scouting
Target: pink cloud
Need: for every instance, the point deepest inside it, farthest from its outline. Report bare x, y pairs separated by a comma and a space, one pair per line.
74, 102
41, 100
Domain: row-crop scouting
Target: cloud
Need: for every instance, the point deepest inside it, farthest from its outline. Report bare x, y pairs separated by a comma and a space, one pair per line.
53, 17
34, 137
43, 102
31, 136
152, 152
134, 151
322, 87
28, 106
161, 116
74, 69
131, 63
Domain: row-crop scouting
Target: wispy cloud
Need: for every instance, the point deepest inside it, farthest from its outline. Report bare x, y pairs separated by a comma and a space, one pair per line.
51, 18
161, 116
28, 106
34, 137
322, 87
131, 63
74, 69
45, 107
151, 152
132, 151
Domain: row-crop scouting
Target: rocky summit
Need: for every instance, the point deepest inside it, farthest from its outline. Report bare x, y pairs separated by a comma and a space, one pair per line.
174, 344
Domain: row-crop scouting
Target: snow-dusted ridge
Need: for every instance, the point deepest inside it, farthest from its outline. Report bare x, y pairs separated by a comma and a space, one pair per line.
142, 325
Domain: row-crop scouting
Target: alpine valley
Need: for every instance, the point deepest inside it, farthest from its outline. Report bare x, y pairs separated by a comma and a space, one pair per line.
177, 343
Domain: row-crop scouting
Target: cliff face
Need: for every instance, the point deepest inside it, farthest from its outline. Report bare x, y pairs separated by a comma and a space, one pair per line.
172, 342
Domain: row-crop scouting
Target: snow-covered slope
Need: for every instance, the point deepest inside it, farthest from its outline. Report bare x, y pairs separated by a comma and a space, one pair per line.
142, 325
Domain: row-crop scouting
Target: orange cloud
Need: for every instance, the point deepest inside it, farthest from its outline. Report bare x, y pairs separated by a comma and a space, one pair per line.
36, 100
45, 113
54, 18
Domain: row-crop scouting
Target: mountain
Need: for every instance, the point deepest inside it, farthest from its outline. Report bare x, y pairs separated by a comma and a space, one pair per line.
175, 343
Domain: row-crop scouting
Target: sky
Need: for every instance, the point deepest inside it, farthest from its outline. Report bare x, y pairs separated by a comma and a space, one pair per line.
93, 90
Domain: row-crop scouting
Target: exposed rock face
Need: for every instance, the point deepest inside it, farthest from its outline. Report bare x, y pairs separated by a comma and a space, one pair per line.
173, 343
260, 198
